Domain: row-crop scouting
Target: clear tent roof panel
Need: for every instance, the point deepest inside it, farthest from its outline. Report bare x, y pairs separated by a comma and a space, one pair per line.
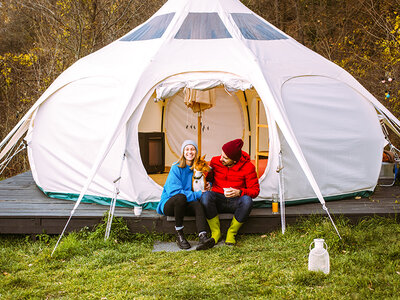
206, 26
202, 26
153, 29
253, 28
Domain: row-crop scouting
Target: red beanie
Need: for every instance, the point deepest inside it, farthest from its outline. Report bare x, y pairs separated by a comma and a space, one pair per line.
233, 149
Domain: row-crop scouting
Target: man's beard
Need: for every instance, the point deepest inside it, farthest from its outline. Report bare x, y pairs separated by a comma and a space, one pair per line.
228, 164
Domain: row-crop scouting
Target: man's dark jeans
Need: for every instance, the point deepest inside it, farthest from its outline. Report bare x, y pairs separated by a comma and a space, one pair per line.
216, 203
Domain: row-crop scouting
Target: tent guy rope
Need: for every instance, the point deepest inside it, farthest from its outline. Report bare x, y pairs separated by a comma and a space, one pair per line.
11, 155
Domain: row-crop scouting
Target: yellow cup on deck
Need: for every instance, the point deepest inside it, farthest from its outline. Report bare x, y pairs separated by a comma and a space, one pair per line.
275, 207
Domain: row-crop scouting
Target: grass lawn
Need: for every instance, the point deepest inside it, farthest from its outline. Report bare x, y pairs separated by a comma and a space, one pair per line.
364, 264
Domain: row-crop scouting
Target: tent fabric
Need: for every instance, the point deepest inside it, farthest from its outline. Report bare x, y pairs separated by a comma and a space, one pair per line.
199, 100
90, 116
333, 138
201, 81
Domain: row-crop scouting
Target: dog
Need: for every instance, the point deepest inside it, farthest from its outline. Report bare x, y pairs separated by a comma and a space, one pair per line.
200, 167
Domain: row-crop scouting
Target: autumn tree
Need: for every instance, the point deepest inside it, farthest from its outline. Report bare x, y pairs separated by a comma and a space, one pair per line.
41, 38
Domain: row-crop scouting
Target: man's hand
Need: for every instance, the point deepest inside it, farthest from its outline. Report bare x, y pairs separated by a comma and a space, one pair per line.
232, 193
208, 186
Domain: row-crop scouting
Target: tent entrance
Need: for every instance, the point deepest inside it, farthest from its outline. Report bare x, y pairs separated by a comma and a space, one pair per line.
232, 116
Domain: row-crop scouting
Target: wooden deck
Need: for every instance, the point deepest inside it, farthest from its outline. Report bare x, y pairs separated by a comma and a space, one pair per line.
24, 209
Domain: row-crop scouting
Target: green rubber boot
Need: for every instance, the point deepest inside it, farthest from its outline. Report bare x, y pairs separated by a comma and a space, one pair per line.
215, 228
232, 231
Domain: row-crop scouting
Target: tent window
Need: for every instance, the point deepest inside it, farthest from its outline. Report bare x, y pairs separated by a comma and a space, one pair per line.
153, 29
201, 26
253, 28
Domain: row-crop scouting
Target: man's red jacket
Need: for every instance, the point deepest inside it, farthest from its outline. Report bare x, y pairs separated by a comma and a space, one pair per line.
240, 176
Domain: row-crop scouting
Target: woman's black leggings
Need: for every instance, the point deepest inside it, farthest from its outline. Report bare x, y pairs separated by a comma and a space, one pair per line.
178, 207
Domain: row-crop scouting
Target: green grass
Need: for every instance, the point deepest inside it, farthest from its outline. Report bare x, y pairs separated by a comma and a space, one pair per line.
365, 264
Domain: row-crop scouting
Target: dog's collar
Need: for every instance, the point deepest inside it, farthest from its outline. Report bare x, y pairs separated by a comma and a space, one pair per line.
198, 177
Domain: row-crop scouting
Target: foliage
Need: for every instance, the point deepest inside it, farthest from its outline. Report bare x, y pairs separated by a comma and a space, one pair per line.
41, 38
365, 264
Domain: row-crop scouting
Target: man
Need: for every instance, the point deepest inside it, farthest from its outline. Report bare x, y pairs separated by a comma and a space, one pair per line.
233, 172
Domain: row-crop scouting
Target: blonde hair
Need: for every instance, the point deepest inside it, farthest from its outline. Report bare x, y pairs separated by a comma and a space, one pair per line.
182, 160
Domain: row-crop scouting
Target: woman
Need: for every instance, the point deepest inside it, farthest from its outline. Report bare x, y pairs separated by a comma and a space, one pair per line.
178, 199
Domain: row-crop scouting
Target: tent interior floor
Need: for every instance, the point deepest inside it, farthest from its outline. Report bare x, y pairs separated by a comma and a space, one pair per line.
159, 178
24, 209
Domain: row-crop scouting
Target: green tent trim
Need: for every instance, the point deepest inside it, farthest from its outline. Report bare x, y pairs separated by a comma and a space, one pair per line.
267, 203
153, 205
98, 200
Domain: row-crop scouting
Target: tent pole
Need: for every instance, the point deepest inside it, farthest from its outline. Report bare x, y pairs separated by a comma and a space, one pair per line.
162, 116
15, 137
114, 200
199, 131
281, 193
248, 120
62, 233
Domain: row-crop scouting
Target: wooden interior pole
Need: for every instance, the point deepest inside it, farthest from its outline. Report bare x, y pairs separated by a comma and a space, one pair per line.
257, 133
199, 132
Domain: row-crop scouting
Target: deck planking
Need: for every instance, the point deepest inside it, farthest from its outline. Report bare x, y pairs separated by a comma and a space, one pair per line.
24, 209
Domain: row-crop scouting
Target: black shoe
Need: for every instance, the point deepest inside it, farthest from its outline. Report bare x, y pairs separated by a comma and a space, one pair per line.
204, 242
181, 240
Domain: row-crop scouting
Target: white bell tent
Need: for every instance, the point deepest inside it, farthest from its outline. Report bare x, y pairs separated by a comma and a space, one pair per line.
321, 122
